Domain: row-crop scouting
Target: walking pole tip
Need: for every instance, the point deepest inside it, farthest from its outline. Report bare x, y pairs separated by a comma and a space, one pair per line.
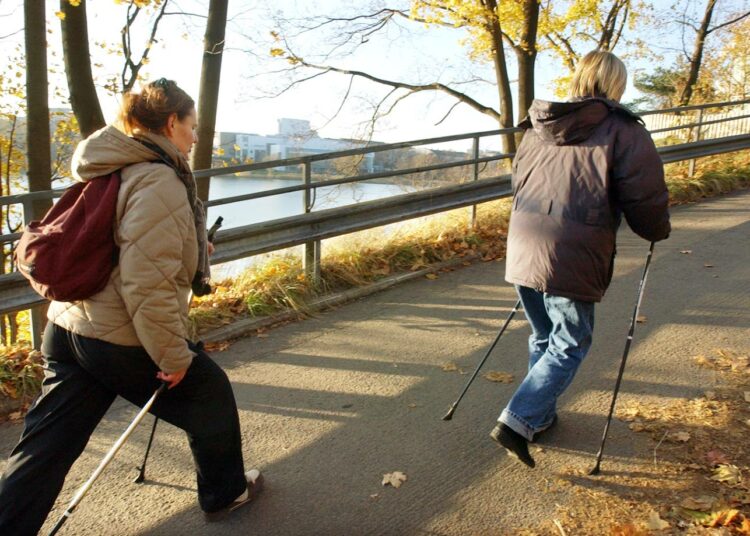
448, 416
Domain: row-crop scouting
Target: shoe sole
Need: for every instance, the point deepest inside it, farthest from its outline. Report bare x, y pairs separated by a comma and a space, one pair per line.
252, 494
511, 452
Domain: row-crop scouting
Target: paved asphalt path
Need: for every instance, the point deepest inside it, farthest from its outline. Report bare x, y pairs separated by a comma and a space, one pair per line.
330, 404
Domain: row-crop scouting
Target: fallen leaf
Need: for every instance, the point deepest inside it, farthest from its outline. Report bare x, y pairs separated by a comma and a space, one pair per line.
747, 396
727, 473
655, 522
680, 437
708, 265
747, 422
716, 457
15, 416
395, 479
375, 496
641, 319
710, 395
262, 335
724, 518
500, 377
431, 276
686, 251
700, 504
627, 530
217, 346
450, 367
745, 527
466, 263
413, 405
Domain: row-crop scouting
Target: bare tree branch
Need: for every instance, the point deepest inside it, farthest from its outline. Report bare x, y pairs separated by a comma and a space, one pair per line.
449, 112
20, 30
727, 23
135, 68
341, 105
436, 86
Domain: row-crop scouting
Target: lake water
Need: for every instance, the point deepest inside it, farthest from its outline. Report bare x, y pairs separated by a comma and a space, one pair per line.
280, 206
289, 204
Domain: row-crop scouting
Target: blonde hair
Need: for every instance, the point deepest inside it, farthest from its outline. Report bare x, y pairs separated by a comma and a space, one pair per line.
150, 109
599, 74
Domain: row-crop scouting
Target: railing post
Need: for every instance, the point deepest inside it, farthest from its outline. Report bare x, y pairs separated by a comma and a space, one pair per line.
38, 314
311, 259
691, 165
475, 150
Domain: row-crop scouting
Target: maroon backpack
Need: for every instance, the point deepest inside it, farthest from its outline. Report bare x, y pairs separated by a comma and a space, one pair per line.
69, 255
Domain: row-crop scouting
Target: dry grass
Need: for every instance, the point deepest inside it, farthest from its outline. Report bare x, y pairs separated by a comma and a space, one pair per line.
698, 480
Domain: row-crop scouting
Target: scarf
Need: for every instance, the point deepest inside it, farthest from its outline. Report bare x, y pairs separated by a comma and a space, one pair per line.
177, 161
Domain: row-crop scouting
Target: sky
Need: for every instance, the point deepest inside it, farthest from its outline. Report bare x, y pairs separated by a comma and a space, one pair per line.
396, 53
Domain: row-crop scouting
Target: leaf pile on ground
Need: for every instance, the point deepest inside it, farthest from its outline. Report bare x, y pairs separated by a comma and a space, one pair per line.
696, 480
21, 372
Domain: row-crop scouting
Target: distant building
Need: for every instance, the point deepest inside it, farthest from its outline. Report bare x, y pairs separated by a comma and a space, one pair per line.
294, 138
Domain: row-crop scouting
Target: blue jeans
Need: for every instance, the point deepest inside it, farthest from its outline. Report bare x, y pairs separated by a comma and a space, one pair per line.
561, 336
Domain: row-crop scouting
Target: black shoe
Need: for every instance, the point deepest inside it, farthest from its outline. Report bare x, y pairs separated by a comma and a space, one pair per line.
538, 435
514, 443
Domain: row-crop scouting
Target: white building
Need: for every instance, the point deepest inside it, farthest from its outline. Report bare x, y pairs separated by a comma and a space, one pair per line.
294, 138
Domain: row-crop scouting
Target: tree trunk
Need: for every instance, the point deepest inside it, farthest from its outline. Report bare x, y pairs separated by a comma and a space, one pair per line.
208, 97
37, 107
75, 41
697, 57
526, 54
501, 74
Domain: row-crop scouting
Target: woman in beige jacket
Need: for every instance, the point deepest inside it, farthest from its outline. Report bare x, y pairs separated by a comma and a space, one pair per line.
133, 333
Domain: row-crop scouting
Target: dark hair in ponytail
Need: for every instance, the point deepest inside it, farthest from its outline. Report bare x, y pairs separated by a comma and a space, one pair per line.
150, 109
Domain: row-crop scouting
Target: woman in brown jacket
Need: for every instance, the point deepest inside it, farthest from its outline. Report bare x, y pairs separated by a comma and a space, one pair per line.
581, 165
134, 333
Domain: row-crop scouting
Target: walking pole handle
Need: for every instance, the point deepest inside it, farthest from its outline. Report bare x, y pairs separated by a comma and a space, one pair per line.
215, 227
108, 458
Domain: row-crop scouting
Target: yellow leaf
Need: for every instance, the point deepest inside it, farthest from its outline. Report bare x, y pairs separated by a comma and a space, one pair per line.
394, 479
431, 276
727, 473
60, 15
450, 367
641, 319
500, 377
655, 522
680, 437
277, 52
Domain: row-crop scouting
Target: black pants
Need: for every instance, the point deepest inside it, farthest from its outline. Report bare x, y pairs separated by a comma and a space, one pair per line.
82, 378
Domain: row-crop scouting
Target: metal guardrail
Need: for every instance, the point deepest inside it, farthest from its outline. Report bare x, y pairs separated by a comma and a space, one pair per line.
312, 226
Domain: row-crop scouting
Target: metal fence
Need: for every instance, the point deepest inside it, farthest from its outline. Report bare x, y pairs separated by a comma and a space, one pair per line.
312, 226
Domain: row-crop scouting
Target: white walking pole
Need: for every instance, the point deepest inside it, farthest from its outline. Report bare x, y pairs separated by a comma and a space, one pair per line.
108, 458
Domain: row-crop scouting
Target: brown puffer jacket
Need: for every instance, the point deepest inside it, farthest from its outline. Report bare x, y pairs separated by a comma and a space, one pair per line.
579, 167
145, 302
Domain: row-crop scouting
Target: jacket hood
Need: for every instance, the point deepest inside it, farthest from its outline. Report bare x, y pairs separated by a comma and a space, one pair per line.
567, 123
109, 149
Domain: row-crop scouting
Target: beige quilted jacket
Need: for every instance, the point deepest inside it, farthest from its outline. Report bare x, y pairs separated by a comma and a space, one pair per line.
145, 302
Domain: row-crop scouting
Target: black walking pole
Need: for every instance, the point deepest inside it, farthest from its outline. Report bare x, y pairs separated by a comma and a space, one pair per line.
448, 416
108, 458
140, 477
629, 340
142, 469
